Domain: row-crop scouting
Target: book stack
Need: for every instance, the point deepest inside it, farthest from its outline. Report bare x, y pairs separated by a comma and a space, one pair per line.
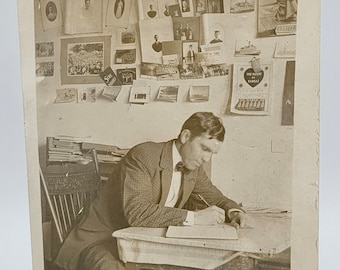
65, 149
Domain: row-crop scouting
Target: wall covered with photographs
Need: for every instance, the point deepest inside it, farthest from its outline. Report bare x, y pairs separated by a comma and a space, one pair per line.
123, 71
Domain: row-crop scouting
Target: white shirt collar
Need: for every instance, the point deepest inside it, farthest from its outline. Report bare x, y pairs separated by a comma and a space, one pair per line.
176, 157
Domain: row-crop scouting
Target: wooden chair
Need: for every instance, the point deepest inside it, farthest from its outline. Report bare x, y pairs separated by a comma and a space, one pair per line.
69, 190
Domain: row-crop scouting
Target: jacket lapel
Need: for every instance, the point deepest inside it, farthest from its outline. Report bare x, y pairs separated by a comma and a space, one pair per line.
188, 184
166, 171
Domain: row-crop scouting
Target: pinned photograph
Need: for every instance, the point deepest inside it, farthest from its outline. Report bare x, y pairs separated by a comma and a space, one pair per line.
187, 8
67, 95
111, 92
168, 93
82, 59
186, 28
44, 69
87, 95
140, 94
175, 10
190, 49
118, 13
276, 18
199, 93
128, 37
83, 16
200, 7
152, 35
215, 6
126, 75
240, 6
164, 7
51, 14
247, 47
125, 56
44, 49
148, 9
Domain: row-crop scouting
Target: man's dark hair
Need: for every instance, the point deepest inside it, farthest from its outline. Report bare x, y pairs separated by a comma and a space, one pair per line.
205, 122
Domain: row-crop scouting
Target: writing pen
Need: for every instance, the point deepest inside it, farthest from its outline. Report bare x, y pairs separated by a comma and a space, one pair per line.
203, 200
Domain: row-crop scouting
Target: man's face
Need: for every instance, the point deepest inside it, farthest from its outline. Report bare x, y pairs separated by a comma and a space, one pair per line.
198, 150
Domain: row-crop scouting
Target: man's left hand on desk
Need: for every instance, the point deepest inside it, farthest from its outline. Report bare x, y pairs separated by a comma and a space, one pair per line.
241, 220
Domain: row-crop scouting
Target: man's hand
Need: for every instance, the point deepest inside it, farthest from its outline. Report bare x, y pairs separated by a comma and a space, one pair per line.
241, 220
208, 216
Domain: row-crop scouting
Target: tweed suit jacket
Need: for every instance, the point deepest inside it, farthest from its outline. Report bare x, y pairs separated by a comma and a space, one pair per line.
135, 196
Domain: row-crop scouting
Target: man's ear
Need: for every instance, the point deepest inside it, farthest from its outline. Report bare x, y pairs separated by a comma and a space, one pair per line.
185, 136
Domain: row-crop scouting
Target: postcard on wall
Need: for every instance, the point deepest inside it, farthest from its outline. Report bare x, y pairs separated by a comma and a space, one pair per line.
277, 17
111, 92
127, 56
66, 95
186, 28
215, 6
172, 50
247, 47
44, 49
201, 7
128, 37
44, 69
187, 8
251, 91
118, 13
83, 17
140, 94
199, 93
126, 75
109, 77
51, 14
285, 49
175, 10
152, 34
240, 6
87, 95
168, 93
164, 7
213, 54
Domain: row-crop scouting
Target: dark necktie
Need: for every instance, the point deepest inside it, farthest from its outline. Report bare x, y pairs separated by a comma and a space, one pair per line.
179, 167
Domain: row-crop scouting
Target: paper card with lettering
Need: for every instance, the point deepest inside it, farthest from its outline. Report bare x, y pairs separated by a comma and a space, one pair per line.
251, 90
140, 94
109, 77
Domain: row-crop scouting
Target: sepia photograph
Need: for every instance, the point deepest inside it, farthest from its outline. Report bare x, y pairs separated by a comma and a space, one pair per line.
214, 177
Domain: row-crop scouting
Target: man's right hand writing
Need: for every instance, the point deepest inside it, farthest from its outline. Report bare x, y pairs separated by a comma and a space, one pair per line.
208, 216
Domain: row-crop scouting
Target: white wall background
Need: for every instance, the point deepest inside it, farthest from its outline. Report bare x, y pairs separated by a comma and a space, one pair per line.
254, 165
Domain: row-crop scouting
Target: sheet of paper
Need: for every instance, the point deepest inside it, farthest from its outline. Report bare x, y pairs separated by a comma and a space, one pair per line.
221, 231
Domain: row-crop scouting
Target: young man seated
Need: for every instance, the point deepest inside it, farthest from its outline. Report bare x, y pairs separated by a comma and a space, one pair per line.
155, 185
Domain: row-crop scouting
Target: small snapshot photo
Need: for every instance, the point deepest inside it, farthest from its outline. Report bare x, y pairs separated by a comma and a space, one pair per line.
187, 8
164, 7
168, 93
44, 49
111, 92
128, 37
44, 69
66, 95
186, 28
118, 9
126, 75
190, 49
240, 6
175, 10
200, 7
216, 36
87, 95
150, 9
125, 56
215, 6
51, 11
199, 93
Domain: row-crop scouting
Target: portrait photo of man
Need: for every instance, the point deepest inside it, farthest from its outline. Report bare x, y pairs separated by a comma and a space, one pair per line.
152, 13
157, 45
217, 37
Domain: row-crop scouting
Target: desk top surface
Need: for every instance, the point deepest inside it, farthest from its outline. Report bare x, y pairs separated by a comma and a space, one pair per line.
270, 235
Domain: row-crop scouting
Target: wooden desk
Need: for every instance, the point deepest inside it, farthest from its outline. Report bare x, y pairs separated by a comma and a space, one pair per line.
270, 236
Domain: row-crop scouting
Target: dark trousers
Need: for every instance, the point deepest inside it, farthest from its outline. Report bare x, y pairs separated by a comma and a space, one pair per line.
101, 256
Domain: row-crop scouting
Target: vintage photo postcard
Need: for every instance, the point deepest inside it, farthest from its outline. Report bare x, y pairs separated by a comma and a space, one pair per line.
112, 168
